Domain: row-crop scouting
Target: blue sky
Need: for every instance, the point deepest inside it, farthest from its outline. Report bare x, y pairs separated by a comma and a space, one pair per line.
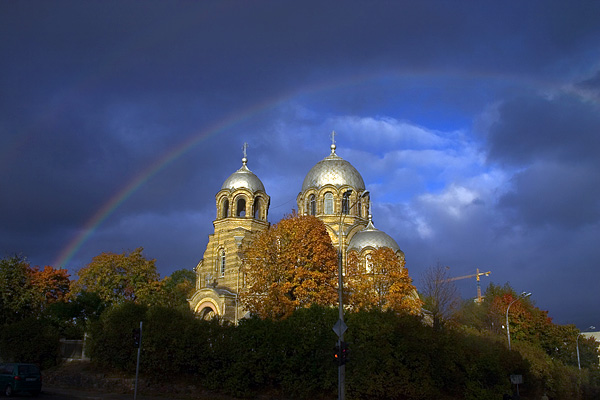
475, 126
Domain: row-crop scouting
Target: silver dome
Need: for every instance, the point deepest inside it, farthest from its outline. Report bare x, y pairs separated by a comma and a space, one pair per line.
372, 237
243, 178
333, 170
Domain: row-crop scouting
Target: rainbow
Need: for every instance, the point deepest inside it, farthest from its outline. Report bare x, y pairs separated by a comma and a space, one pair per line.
67, 253
146, 174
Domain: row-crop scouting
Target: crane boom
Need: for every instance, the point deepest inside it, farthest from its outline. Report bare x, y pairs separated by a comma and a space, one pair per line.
476, 275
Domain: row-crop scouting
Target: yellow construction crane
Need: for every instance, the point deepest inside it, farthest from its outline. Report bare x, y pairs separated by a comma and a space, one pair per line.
477, 275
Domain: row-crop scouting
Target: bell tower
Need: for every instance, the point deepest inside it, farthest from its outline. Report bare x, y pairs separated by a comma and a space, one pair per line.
242, 207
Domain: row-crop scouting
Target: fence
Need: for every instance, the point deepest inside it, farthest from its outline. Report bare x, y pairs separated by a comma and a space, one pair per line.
71, 350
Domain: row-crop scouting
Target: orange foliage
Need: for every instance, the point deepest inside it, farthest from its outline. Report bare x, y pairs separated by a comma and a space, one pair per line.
384, 285
52, 284
526, 320
291, 265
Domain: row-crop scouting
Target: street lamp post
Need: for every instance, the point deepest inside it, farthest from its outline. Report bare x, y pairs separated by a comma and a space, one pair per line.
341, 328
577, 344
521, 296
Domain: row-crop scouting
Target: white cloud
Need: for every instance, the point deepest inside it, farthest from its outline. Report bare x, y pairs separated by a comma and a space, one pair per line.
386, 131
452, 201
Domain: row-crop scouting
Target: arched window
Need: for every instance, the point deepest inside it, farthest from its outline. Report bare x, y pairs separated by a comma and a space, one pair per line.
368, 264
345, 203
312, 205
222, 263
257, 208
241, 207
225, 208
359, 208
328, 203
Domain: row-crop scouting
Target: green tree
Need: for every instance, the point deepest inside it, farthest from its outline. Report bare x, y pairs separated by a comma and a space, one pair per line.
291, 265
178, 287
16, 298
72, 317
118, 278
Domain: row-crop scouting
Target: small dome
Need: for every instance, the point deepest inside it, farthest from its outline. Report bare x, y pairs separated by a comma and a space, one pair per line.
333, 170
243, 178
372, 237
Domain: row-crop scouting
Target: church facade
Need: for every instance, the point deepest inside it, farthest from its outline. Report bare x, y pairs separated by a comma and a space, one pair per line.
333, 191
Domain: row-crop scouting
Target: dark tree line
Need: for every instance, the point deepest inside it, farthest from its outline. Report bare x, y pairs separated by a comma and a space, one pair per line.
460, 352
392, 356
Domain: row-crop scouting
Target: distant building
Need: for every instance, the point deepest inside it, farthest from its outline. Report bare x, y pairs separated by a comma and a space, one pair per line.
595, 335
333, 191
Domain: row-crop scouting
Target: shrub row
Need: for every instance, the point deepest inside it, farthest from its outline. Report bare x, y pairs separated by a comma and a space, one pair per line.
391, 356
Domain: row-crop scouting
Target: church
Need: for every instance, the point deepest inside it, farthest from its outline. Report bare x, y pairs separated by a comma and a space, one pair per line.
333, 191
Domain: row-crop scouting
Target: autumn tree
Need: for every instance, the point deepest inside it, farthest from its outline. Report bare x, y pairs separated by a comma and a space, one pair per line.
383, 283
27, 291
50, 285
440, 295
291, 265
118, 278
528, 323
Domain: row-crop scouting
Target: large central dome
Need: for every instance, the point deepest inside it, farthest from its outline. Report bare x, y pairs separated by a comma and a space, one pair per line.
333, 170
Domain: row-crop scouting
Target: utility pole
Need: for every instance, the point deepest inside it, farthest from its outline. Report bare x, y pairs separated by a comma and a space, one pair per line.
137, 339
340, 327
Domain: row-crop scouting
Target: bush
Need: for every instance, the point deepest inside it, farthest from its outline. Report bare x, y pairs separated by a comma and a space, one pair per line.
391, 356
171, 342
30, 340
111, 337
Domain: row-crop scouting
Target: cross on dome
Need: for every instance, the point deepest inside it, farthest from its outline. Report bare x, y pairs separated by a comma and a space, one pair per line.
333, 142
245, 149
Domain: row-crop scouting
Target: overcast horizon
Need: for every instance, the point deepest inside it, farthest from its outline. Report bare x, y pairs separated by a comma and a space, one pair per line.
475, 126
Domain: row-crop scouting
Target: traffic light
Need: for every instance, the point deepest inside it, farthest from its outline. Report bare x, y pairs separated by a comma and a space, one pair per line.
342, 353
137, 337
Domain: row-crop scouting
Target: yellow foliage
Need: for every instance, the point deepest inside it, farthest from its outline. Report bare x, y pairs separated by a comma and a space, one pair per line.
291, 265
385, 284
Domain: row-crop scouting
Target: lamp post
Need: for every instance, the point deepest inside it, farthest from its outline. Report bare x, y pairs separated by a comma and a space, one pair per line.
521, 296
238, 243
577, 344
340, 326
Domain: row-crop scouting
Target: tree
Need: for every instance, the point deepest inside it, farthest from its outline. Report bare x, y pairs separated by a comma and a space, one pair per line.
385, 285
27, 291
72, 317
291, 265
440, 295
16, 299
118, 278
172, 291
180, 286
50, 285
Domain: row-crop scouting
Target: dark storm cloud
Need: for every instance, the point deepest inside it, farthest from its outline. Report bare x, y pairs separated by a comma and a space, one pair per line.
554, 142
93, 95
566, 196
534, 128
